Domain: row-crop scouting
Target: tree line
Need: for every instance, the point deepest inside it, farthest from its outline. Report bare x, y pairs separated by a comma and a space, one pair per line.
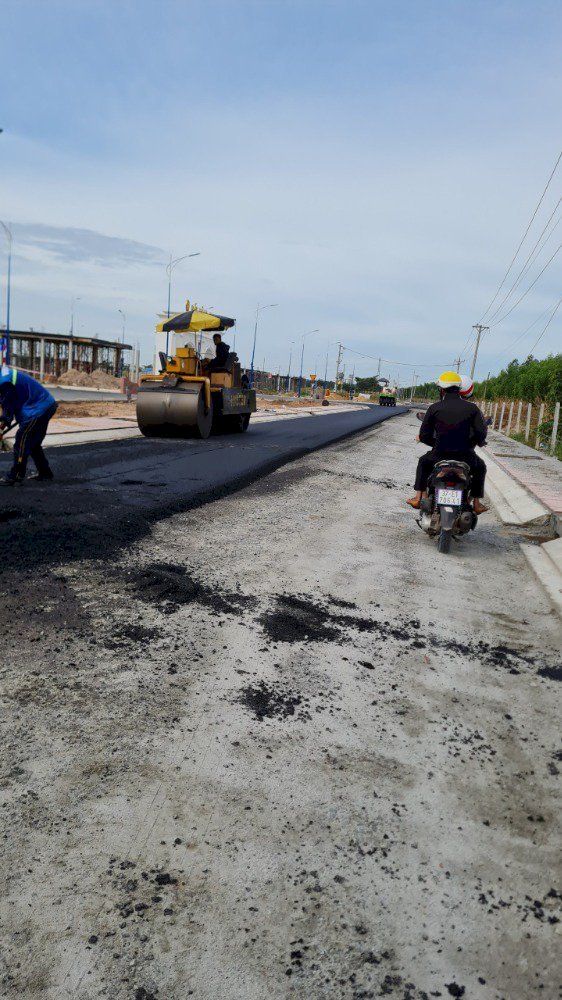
530, 380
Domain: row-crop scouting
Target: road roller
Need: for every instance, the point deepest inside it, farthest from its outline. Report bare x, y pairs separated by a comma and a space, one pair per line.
192, 396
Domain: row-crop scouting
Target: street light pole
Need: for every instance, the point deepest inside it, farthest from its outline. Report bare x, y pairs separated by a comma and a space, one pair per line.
288, 388
70, 364
75, 298
123, 341
258, 311
8, 234
172, 263
304, 336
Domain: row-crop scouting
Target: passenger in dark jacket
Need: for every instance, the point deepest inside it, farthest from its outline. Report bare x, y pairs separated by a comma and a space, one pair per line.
27, 403
453, 427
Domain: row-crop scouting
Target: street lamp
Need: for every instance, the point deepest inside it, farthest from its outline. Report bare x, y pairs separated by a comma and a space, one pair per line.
9, 238
288, 388
259, 309
172, 263
302, 358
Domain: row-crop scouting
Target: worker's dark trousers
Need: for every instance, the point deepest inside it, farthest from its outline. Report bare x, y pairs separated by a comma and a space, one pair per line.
29, 439
477, 468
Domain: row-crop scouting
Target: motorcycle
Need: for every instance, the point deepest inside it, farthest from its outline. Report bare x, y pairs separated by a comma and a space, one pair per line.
446, 512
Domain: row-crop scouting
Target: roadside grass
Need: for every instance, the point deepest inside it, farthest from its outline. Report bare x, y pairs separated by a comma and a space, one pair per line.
544, 441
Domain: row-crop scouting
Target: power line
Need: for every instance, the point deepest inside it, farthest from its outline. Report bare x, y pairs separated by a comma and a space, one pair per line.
406, 364
516, 254
533, 283
545, 328
529, 262
524, 334
468, 339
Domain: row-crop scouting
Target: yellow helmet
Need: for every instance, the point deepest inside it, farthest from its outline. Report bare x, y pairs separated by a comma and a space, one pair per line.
448, 380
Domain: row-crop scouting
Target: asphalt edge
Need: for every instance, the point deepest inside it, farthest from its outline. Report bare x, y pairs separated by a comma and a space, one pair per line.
144, 524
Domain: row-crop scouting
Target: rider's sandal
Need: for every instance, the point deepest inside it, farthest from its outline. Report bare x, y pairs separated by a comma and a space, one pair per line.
483, 510
414, 502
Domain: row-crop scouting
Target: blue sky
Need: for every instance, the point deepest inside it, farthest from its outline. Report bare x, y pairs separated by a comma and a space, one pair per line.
369, 166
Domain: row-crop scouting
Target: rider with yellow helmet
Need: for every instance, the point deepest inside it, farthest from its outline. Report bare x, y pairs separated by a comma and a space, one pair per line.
452, 428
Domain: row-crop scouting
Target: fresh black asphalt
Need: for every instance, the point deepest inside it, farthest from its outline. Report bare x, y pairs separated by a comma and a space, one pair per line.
107, 495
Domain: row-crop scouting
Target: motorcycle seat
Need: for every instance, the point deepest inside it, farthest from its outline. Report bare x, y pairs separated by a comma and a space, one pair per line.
451, 463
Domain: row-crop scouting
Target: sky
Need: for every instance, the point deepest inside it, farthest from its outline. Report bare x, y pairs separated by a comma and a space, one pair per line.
369, 166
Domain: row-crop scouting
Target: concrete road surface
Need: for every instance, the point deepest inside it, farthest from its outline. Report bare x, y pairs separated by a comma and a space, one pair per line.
276, 746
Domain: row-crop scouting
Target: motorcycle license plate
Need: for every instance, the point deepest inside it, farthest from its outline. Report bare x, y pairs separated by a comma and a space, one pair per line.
449, 498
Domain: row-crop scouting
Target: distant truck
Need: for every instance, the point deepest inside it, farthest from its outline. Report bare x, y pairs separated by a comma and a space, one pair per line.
387, 396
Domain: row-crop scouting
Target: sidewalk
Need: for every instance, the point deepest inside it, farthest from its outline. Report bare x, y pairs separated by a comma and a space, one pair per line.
539, 474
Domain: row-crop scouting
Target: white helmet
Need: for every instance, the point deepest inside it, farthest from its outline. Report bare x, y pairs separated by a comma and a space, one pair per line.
467, 387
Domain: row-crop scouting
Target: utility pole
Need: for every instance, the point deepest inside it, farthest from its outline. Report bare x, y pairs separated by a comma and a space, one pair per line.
414, 376
479, 331
458, 363
338, 362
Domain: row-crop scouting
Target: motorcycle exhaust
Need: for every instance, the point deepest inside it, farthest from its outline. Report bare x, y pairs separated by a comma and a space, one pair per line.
465, 521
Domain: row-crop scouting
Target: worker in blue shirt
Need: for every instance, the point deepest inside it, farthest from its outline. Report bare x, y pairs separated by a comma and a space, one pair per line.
27, 403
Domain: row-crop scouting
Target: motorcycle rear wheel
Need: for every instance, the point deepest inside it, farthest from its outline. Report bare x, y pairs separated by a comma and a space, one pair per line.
444, 543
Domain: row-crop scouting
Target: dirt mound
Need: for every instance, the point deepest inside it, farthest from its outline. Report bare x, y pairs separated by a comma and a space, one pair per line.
74, 377
102, 380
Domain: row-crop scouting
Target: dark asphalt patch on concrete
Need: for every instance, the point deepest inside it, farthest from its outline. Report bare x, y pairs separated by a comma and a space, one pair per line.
266, 701
167, 586
297, 618
93, 510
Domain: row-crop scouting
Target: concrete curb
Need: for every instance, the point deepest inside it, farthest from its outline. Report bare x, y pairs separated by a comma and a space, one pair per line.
546, 562
517, 507
514, 504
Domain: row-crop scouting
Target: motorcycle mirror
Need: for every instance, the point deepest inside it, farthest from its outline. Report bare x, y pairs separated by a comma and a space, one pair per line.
420, 415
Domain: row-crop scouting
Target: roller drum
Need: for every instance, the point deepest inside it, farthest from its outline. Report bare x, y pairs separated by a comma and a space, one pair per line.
178, 411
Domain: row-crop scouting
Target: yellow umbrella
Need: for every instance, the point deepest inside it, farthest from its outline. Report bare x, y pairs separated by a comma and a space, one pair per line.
194, 321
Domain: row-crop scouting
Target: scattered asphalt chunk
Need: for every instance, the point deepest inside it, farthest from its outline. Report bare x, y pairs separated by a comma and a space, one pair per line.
164, 878
126, 635
455, 990
553, 673
294, 619
168, 587
268, 702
